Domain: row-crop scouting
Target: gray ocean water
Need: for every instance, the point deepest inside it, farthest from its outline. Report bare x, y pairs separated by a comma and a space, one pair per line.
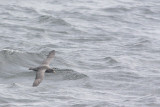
107, 53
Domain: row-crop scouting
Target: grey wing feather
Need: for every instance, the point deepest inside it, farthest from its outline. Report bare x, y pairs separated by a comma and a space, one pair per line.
49, 58
39, 77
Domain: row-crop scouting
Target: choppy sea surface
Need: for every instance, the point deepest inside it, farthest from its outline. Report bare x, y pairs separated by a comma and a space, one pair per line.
107, 53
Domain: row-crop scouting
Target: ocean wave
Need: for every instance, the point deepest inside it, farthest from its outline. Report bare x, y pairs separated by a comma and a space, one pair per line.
10, 51
140, 43
18, 9
119, 76
12, 59
50, 20
16, 63
69, 74
117, 9
111, 60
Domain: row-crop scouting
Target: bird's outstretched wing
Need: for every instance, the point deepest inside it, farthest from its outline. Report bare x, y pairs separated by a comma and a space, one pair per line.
39, 77
49, 58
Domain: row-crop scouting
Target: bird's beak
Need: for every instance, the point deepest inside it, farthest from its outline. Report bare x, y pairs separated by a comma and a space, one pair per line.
54, 71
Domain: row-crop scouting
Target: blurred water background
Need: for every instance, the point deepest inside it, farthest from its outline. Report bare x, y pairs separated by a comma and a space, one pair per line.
107, 53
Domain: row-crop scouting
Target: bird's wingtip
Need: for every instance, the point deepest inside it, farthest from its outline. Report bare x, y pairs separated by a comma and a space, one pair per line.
53, 51
36, 82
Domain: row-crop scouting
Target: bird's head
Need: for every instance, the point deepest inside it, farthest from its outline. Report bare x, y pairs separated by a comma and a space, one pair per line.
50, 71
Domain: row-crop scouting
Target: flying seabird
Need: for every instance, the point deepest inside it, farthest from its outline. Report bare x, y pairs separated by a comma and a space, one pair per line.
44, 67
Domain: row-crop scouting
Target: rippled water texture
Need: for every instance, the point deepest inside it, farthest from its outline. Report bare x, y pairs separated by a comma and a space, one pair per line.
107, 53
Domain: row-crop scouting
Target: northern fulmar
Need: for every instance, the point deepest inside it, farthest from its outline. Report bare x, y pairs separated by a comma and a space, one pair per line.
44, 67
